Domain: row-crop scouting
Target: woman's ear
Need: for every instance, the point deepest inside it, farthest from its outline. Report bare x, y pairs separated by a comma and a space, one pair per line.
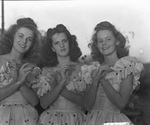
117, 43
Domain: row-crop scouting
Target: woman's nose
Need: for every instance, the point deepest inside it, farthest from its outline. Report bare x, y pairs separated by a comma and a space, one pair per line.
104, 42
61, 44
24, 40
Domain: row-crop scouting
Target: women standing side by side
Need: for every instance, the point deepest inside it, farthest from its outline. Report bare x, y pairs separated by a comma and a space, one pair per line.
17, 98
117, 77
60, 71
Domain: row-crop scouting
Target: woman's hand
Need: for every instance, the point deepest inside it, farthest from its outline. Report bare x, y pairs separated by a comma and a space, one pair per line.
102, 71
103, 81
23, 72
64, 74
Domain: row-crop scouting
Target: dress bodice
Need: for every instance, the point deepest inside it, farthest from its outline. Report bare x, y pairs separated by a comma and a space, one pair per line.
15, 98
102, 102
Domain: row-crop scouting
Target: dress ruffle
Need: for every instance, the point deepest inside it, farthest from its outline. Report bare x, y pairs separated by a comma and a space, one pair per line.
77, 83
88, 70
5, 75
122, 68
43, 83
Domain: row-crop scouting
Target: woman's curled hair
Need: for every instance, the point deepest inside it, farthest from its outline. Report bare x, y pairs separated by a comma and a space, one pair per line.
50, 56
121, 49
7, 39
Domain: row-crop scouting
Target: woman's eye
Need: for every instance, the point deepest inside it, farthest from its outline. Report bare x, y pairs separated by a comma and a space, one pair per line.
20, 36
100, 41
65, 40
55, 43
30, 39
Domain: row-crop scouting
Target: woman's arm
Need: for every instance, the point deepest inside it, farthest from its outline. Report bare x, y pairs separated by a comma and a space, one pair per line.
29, 95
120, 98
73, 97
49, 98
86, 100
90, 95
52, 96
9, 90
12, 87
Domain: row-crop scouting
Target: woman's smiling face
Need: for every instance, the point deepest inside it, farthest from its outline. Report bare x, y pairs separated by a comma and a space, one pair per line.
23, 39
106, 42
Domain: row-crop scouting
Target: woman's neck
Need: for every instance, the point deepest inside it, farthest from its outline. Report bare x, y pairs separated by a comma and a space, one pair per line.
64, 60
110, 60
16, 56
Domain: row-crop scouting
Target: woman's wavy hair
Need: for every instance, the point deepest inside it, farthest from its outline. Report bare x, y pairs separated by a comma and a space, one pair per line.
50, 56
6, 42
121, 50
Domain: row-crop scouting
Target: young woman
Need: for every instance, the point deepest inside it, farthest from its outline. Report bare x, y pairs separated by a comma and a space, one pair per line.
60, 72
116, 78
17, 98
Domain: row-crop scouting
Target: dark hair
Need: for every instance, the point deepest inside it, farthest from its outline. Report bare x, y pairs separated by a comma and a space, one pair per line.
121, 50
6, 43
50, 56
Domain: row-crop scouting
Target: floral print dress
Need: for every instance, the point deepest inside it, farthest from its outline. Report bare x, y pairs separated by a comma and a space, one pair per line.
14, 110
104, 111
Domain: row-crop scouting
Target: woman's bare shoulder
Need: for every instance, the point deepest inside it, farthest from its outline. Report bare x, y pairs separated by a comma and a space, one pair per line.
3, 59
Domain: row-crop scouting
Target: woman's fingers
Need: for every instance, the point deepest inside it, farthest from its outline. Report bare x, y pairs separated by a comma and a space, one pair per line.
25, 70
64, 69
24, 65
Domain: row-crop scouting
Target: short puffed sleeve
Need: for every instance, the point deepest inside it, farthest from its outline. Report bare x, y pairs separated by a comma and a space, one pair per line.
43, 84
88, 71
122, 68
85, 77
6, 76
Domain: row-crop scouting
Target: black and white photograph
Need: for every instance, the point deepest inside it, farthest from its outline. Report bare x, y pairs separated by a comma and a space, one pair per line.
74, 62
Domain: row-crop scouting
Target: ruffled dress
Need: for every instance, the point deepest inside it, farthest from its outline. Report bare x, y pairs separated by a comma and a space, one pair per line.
63, 111
104, 111
15, 110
